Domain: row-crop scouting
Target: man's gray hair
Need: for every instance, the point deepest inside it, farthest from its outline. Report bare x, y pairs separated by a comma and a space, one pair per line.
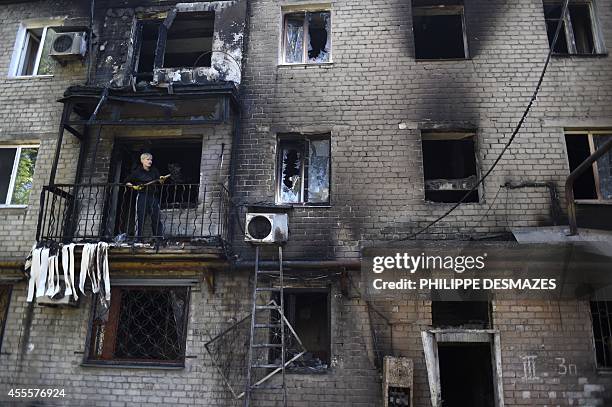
145, 155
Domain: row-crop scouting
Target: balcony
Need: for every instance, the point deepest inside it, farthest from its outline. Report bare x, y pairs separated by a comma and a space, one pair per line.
188, 213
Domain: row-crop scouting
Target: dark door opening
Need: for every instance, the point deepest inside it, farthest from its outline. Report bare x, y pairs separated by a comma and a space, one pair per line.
466, 374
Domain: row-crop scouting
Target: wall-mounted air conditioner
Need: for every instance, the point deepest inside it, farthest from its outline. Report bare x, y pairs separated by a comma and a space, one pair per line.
266, 228
398, 377
68, 45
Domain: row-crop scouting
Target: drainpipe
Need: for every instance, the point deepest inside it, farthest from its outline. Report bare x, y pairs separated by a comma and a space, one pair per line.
569, 184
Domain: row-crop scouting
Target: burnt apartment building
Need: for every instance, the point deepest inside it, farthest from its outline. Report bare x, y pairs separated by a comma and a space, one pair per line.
295, 135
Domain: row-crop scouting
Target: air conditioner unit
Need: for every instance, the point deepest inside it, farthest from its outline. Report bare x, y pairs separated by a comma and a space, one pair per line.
266, 228
68, 45
398, 377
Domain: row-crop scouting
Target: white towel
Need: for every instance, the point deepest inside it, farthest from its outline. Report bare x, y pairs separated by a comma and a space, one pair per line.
34, 273
42, 277
66, 260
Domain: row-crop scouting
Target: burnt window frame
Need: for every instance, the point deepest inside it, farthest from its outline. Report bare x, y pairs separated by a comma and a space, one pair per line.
441, 134
590, 134
437, 10
606, 363
312, 290
90, 361
304, 140
570, 38
305, 10
8, 293
165, 25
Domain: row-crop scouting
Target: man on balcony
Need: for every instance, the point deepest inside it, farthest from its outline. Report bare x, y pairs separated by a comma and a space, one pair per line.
144, 180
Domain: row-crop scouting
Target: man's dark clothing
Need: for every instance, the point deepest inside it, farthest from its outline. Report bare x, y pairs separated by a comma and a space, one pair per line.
147, 200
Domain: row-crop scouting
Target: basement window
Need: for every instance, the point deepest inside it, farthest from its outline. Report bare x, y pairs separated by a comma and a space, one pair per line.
595, 184
439, 30
16, 174
464, 314
5, 298
308, 312
449, 166
307, 37
31, 53
579, 31
601, 314
303, 169
142, 326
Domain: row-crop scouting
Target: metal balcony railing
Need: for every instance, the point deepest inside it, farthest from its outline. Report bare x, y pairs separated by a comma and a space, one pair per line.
117, 212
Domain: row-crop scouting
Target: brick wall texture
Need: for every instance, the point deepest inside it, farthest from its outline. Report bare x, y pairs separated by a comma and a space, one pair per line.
374, 99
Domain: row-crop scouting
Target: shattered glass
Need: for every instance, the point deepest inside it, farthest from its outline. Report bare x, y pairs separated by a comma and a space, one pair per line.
318, 171
294, 38
319, 44
291, 184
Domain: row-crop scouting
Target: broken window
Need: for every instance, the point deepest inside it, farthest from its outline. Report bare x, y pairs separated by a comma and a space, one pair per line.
303, 170
16, 173
578, 34
142, 325
597, 183
308, 313
601, 314
307, 37
464, 314
31, 54
5, 297
439, 30
449, 166
182, 40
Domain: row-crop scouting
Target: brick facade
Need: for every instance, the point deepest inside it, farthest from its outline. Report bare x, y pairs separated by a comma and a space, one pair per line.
374, 99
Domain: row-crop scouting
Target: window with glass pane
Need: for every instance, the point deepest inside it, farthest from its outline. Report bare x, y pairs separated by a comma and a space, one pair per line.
303, 170
578, 33
16, 174
33, 53
307, 37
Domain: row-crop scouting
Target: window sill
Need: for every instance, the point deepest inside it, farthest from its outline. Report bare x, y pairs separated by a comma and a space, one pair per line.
559, 55
26, 77
441, 59
318, 372
13, 207
592, 202
302, 205
604, 371
305, 66
132, 366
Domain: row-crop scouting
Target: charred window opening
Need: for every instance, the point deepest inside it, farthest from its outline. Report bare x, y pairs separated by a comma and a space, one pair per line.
439, 30
597, 183
303, 170
578, 30
449, 166
142, 325
307, 37
398, 397
179, 159
464, 314
5, 297
308, 313
601, 314
471, 386
184, 41
149, 32
189, 41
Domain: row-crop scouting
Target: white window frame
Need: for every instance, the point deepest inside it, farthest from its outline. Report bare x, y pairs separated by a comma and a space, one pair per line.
11, 188
20, 48
311, 8
570, 38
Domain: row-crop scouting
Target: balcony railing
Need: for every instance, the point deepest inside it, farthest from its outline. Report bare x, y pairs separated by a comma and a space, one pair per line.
117, 212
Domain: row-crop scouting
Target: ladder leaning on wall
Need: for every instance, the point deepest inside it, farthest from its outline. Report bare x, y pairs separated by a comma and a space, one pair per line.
273, 314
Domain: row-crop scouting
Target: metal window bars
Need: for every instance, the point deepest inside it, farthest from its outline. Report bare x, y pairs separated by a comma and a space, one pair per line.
601, 312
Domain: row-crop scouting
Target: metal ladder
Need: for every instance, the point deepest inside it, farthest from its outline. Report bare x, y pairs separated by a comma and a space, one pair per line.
268, 310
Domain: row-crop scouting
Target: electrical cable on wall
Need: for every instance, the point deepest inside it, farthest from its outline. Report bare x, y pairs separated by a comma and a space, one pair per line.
512, 137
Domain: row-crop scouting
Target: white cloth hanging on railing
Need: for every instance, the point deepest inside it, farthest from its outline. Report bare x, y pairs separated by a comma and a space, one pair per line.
42, 276
34, 272
45, 271
102, 263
